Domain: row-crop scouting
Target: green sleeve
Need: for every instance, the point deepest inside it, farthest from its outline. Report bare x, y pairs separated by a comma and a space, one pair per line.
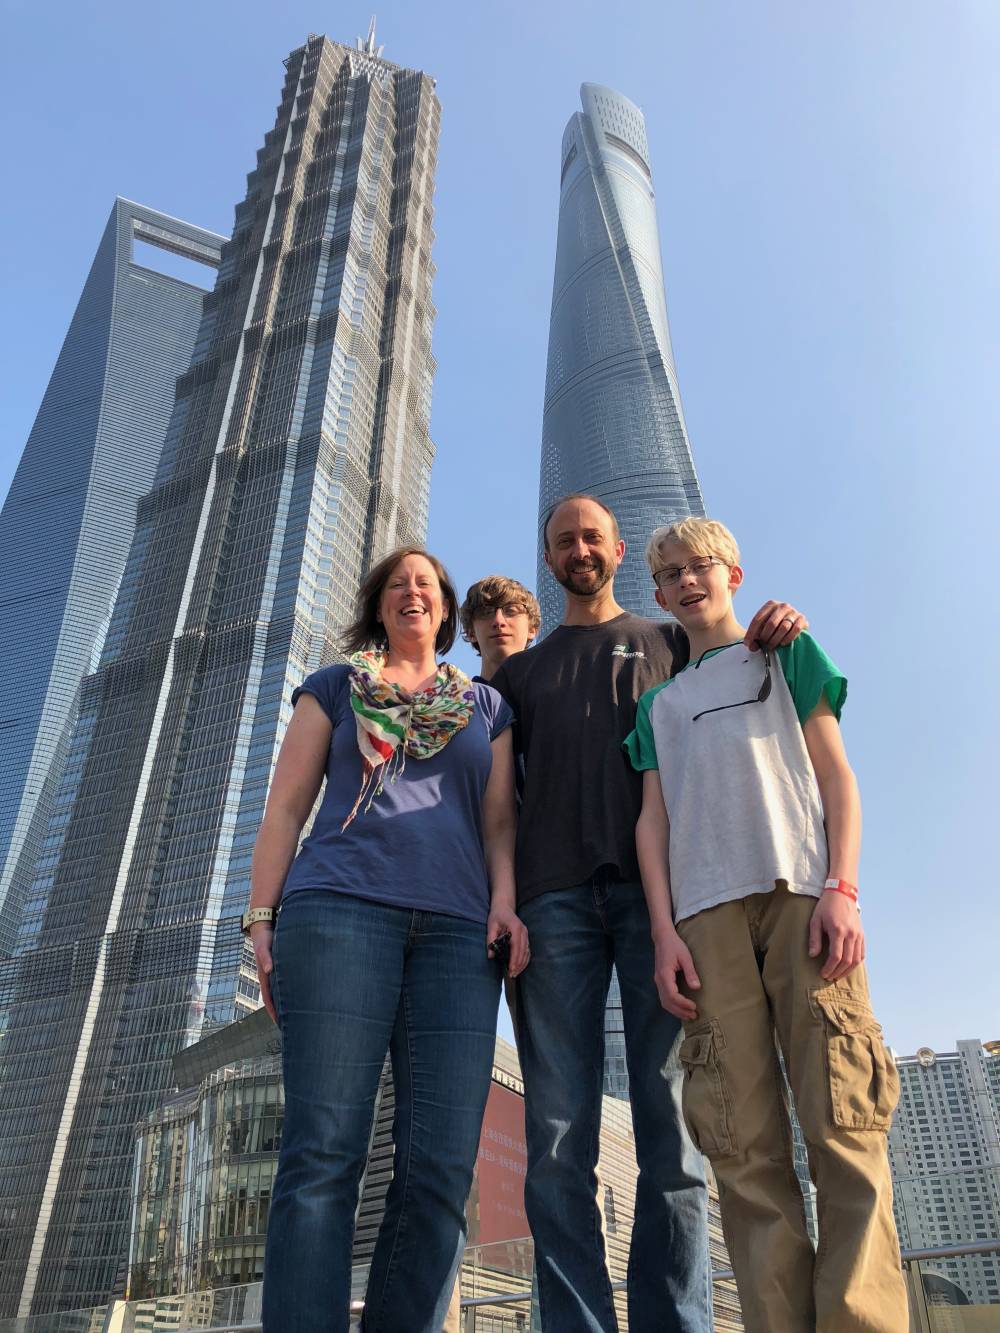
810, 673
639, 744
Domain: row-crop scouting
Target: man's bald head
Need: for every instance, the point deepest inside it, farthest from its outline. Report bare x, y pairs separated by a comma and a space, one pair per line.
592, 499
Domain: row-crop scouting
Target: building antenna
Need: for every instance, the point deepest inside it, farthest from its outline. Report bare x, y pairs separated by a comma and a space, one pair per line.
369, 46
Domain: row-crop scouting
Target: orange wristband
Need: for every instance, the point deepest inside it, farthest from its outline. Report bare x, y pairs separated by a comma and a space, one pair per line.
843, 886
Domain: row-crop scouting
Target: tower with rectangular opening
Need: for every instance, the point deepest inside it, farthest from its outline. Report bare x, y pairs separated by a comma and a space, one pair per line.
69, 516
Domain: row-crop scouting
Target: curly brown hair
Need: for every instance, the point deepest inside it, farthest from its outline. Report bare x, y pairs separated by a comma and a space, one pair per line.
367, 631
493, 591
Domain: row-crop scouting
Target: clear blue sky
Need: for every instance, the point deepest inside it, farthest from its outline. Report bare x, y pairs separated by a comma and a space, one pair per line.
829, 207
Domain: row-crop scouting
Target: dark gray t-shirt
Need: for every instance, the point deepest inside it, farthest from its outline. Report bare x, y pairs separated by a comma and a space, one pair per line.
420, 845
574, 697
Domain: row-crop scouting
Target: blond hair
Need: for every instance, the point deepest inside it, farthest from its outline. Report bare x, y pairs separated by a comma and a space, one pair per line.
702, 536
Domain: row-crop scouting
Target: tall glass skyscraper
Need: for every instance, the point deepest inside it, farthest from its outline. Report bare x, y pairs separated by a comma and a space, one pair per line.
69, 516
297, 452
613, 423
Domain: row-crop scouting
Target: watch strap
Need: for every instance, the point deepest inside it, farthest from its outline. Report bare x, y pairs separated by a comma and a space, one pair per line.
255, 914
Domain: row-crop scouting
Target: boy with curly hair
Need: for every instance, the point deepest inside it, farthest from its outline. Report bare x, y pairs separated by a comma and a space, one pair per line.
499, 617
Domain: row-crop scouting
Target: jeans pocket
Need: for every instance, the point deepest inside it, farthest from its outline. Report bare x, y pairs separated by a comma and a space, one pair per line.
708, 1109
864, 1084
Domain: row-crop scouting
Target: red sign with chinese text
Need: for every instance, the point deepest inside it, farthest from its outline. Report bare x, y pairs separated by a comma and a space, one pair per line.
500, 1171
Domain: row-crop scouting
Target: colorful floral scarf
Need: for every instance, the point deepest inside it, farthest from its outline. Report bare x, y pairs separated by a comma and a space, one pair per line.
393, 723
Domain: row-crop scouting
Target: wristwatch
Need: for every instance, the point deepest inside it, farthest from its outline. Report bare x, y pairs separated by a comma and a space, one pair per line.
253, 914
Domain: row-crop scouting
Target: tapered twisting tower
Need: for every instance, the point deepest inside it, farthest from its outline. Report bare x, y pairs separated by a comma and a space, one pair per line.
613, 423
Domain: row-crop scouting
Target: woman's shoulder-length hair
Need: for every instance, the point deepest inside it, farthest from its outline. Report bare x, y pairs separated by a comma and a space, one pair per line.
366, 631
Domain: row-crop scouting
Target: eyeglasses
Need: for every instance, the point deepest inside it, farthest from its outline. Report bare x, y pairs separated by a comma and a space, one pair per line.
509, 609
671, 574
762, 694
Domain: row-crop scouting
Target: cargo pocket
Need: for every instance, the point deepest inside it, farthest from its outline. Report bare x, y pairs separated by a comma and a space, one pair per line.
707, 1108
864, 1084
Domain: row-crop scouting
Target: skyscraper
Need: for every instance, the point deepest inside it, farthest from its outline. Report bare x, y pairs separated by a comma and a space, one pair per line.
613, 423
944, 1147
297, 452
69, 516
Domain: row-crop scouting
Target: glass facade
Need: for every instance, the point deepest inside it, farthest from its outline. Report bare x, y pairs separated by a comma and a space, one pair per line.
297, 452
613, 423
205, 1161
615, 1064
69, 516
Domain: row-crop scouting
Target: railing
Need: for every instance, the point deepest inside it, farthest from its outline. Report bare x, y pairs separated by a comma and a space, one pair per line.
936, 1301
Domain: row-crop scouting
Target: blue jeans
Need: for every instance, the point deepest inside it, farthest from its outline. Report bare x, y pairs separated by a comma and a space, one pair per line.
576, 935
353, 979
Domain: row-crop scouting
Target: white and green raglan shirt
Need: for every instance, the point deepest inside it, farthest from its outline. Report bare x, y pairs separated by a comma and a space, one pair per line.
738, 783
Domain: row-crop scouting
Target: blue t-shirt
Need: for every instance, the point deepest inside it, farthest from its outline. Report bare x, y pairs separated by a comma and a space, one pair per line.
420, 844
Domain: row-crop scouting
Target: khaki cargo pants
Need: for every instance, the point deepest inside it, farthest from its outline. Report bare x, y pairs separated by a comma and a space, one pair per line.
757, 979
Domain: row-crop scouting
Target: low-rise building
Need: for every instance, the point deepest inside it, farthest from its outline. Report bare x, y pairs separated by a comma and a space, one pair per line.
205, 1164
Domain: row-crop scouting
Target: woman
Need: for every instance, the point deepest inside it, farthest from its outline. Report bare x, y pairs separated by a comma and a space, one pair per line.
380, 946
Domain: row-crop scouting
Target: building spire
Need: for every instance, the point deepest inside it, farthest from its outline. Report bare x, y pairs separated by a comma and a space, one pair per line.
368, 45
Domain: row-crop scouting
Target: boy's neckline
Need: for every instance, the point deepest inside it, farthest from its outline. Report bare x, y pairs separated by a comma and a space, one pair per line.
719, 648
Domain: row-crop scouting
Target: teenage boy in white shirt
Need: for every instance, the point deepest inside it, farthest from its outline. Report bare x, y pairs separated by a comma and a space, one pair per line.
748, 845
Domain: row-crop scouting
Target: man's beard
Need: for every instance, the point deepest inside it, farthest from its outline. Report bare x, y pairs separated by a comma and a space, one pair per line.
604, 572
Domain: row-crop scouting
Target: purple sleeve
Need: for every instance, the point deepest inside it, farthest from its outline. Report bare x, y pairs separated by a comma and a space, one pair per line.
496, 711
329, 687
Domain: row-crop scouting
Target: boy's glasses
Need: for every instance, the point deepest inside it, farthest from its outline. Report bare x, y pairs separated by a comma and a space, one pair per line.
762, 694
509, 609
670, 575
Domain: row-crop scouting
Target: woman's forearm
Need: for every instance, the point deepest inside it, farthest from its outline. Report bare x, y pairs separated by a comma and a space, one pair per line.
277, 843
500, 823
498, 846
298, 776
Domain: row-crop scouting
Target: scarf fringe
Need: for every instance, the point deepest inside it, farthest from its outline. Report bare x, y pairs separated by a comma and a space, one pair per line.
374, 779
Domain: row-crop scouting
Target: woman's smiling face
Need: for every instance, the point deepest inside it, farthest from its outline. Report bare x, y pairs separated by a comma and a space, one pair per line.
412, 606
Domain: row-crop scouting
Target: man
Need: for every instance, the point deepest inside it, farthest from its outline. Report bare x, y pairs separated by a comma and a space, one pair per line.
499, 617
579, 894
